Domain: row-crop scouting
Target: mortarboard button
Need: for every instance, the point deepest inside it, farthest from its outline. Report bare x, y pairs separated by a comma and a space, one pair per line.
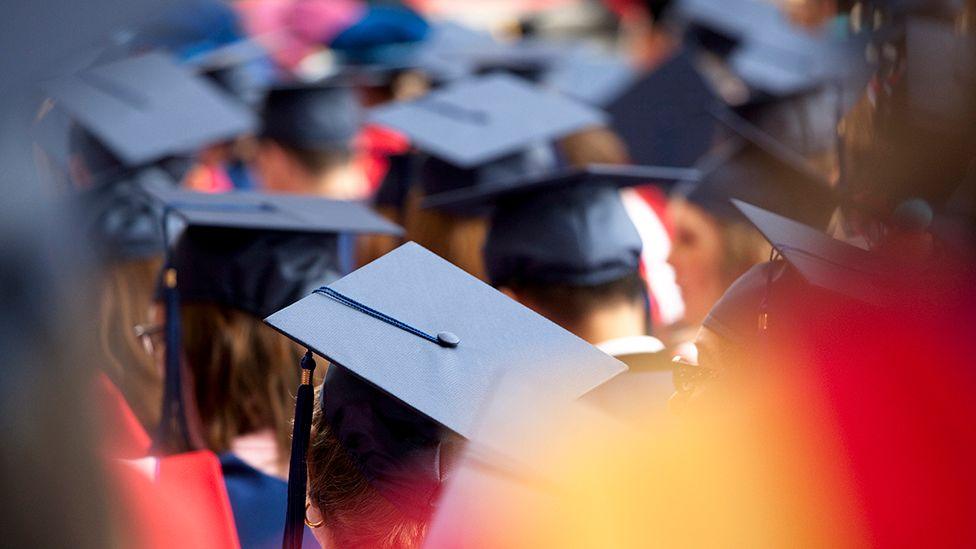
447, 339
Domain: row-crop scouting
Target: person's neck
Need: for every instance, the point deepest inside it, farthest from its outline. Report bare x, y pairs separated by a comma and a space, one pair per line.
611, 323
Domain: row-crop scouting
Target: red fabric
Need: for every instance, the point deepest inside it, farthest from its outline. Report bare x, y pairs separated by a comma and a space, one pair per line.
375, 145
186, 506
124, 435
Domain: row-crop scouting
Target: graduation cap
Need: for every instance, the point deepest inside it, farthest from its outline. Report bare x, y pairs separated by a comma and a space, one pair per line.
752, 166
120, 220
591, 76
317, 115
567, 226
145, 108
249, 251
242, 69
461, 336
475, 121
824, 261
815, 267
664, 116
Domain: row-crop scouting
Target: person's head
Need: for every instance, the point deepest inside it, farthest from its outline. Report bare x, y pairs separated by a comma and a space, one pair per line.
572, 255
713, 242
306, 141
596, 313
242, 374
374, 466
125, 294
708, 254
458, 234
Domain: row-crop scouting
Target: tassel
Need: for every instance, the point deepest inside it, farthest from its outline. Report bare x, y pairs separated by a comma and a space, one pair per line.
297, 467
173, 433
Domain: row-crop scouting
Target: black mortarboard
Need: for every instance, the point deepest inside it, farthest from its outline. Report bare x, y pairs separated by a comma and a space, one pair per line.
250, 251
752, 166
824, 261
770, 54
567, 227
312, 116
664, 116
528, 59
242, 68
145, 108
475, 121
461, 337
817, 268
120, 220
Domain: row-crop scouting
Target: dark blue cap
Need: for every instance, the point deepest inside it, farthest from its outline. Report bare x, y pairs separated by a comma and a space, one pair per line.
567, 227
824, 261
462, 338
438, 177
120, 220
146, 107
312, 116
580, 236
242, 68
422, 292
752, 166
591, 76
476, 121
258, 252
664, 117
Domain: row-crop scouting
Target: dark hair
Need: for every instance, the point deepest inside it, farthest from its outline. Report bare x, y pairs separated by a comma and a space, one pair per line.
319, 160
657, 8
356, 513
568, 305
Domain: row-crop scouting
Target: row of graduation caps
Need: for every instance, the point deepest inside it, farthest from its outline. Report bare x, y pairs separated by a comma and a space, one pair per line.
367, 321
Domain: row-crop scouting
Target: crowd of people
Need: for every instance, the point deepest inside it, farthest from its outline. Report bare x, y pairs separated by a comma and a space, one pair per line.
591, 273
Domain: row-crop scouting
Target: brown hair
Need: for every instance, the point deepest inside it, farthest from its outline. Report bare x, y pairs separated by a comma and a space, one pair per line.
355, 513
458, 239
242, 372
125, 297
743, 247
569, 305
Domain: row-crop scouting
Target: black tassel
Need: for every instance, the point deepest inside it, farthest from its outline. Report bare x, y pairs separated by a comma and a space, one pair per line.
173, 433
297, 467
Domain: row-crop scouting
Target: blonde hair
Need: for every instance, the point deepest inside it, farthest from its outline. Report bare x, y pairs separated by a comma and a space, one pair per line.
743, 248
125, 297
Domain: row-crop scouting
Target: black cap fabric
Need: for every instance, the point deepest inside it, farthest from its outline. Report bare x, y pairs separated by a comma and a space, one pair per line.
312, 116
566, 226
418, 349
476, 121
664, 116
242, 69
523, 185
258, 252
439, 178
752, 166
120, 220
581, 236
591, 76
824, 261
424, 293
146, 107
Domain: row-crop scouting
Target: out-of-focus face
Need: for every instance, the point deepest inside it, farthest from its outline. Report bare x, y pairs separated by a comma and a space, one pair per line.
696, 256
